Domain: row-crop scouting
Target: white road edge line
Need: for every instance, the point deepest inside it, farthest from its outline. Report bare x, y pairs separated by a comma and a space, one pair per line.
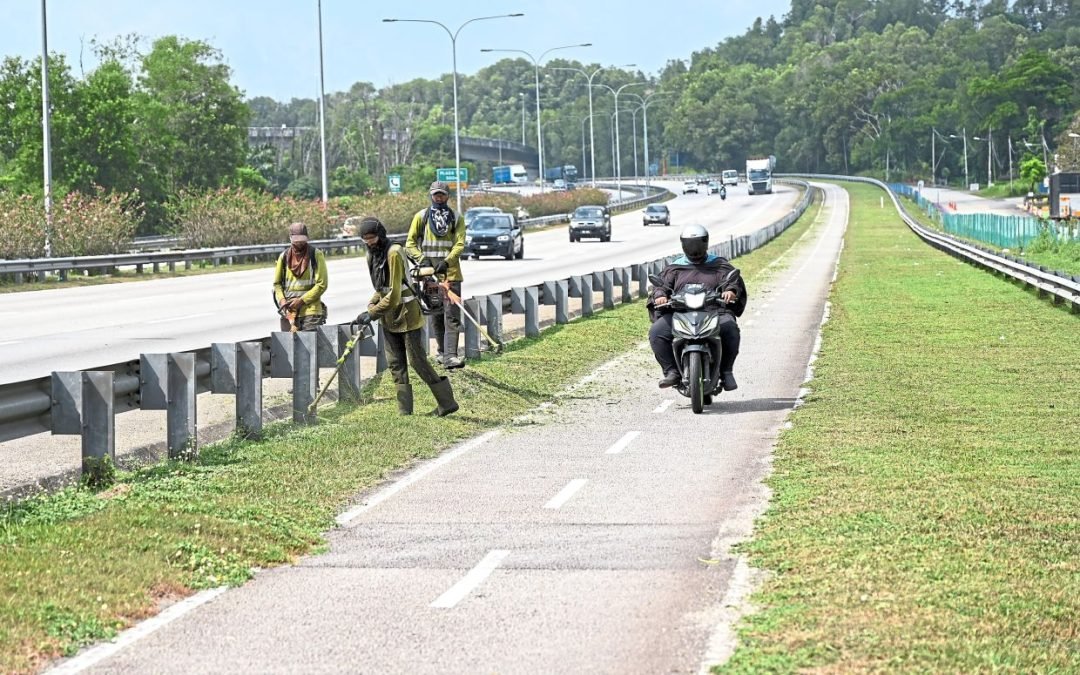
663, 406
566, 493
413, 476
474, 578
178, 318
95, 655
10, 342
623, 442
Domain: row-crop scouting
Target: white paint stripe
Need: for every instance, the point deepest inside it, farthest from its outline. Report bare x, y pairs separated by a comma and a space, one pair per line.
10, 342
413, 476
663, 406
179, 318
621, 444
566, 493
471, 580
95, 655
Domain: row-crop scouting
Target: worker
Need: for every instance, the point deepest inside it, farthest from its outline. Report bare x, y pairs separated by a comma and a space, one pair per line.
300, 280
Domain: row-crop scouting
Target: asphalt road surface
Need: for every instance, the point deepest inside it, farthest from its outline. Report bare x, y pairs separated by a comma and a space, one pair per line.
539, 548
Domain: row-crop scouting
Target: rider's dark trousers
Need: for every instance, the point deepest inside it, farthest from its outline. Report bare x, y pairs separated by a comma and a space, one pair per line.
660, 341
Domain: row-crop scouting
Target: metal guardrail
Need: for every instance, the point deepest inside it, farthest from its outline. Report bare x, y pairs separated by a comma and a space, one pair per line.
1061, 289
155, 260
85, 402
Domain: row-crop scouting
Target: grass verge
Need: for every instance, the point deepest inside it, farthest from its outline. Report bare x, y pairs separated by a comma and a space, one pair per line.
79, 565
925, 500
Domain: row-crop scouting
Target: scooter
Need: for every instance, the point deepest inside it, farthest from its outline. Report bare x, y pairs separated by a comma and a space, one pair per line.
696, 332
723, 192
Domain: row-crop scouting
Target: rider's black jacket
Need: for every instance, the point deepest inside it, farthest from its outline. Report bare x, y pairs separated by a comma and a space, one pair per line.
713, 274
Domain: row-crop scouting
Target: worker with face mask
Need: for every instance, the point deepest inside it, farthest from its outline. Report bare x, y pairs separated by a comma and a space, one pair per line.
300, 280
436, 239
395, 305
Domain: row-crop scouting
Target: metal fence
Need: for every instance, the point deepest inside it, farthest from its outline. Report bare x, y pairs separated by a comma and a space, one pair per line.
85, 402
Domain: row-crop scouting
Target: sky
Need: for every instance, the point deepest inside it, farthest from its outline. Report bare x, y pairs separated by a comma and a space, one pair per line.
272, 45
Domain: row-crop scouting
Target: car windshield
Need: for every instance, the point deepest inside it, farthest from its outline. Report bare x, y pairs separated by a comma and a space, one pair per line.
758, 174
486, 222
656, 209
589, 212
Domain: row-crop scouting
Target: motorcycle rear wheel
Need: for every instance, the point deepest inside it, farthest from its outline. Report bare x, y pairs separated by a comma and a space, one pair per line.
697, 385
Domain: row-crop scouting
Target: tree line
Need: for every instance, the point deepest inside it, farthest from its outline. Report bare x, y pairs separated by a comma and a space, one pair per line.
838, 86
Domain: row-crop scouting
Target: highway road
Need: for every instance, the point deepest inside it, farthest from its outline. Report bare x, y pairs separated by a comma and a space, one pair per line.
80, 328
538, 548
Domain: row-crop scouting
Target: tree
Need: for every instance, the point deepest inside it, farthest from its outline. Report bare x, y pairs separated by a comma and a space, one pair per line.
1032, 171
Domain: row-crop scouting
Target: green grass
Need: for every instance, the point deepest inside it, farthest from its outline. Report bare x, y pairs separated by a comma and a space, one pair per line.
79, 565
925, 501
1004, 190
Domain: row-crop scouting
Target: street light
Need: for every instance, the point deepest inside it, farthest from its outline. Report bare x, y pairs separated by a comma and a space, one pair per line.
592, 141
645, 103
989, 155
522, 117
453, 49
46, 123
536, 76
963, 135
322, 106
618, 168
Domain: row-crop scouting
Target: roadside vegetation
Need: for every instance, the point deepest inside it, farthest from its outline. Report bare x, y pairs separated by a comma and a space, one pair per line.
81, 564
925, 500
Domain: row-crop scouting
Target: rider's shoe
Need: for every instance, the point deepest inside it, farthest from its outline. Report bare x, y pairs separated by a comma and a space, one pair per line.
671, 379
727, 379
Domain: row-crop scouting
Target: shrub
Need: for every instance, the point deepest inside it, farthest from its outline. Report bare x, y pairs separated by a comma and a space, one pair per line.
23, 217
81, 224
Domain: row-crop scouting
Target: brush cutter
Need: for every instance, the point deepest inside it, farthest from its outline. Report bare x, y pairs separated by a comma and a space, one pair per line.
363, 332
496, 345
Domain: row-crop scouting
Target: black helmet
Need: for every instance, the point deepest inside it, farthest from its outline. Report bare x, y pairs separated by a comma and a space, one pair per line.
695, 243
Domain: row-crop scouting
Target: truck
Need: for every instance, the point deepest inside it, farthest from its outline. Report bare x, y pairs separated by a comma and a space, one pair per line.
566, 172
509, 174
759, 172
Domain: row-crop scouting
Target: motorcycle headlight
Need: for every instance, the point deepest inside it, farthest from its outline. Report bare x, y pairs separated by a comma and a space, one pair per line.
504, 237
695, 300
680, 326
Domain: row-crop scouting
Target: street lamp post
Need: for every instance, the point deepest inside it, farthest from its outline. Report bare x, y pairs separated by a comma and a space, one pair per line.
963, 133
618, 155
522, 94
322, 106
46, 123
1073, 135
592, 140
989, 157
453, 48
536, 78
646, 101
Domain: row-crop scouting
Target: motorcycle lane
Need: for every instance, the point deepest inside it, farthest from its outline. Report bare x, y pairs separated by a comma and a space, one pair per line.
540, 548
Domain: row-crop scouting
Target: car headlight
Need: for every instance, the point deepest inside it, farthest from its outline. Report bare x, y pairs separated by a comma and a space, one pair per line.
468, 239
504, 237
695, 300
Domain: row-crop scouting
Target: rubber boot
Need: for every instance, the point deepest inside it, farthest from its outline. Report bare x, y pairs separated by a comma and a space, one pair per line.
444, 396
404, 399
451, 360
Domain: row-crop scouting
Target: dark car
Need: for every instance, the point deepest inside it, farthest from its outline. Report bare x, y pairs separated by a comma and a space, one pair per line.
703, 180
473, 212
494, 234
590, 221
656, 213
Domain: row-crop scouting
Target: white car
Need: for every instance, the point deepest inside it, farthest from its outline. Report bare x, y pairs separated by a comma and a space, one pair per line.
689, 186
729, 177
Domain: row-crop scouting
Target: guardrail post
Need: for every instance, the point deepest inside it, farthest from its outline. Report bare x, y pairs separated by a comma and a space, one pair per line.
517, 300
248, 359
642, 270
549, 293
223, 368
575, 286
349, 375
627, 296
493, 315
305, 375
97, 420
327, 346
562, 301
281, 354
472, 333
180, 417
153, 376
609, 289
586, 295
66, 408
532, 311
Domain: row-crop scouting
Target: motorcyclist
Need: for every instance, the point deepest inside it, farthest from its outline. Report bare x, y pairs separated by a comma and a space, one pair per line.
697, 265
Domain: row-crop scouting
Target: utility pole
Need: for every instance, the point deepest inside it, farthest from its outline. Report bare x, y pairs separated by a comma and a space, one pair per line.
46, 122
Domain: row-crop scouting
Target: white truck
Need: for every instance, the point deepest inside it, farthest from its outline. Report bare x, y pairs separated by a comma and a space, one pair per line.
759, 172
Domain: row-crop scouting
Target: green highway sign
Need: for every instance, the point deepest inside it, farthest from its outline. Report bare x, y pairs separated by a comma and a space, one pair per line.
447, 176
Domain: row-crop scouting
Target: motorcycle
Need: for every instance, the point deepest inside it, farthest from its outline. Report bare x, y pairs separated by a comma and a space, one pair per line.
696, 332
723, 192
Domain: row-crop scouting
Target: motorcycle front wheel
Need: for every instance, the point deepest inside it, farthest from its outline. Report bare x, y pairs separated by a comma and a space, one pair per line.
697, 384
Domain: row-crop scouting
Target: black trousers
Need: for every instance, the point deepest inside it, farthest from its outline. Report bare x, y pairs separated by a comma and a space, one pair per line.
446, 325
660, 338
407, 349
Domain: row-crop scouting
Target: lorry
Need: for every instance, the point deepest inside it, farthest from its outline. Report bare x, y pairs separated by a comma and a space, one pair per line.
567, 172
759, 172
509, 174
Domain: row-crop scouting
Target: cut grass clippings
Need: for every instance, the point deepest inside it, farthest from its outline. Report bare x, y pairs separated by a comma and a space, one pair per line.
925, 500
78, 566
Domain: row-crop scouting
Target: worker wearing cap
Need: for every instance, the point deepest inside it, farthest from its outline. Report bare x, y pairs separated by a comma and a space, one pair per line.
299, 282
436, 239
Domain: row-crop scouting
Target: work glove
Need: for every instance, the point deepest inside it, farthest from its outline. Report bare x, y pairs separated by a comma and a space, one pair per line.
363, 319
296, 303
441, 267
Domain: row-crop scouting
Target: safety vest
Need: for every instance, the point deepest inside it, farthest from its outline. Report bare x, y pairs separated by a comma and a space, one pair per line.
434, 246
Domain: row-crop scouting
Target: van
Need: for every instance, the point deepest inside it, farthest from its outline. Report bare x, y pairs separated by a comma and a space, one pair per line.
729, 177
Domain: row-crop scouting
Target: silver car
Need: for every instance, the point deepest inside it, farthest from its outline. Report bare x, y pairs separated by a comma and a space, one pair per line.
590, 221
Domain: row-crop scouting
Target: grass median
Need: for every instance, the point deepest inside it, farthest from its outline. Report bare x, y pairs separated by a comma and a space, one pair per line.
79, 565
925, 500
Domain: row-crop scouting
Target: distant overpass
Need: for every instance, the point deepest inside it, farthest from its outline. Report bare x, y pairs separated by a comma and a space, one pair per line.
499, 152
